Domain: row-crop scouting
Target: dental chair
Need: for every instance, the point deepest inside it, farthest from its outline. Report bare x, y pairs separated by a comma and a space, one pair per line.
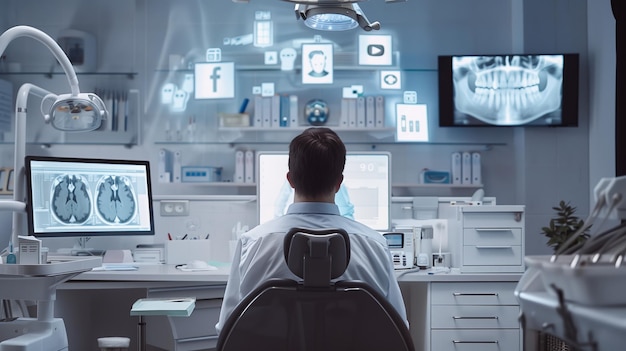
315, 313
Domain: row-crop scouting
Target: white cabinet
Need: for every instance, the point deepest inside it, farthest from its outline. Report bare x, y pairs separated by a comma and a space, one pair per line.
473, 316
196, 332
492, 238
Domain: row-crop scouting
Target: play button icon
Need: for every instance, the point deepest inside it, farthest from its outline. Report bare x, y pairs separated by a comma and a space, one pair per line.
375, 50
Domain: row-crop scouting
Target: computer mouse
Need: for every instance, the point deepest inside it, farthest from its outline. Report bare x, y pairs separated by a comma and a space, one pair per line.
198, 264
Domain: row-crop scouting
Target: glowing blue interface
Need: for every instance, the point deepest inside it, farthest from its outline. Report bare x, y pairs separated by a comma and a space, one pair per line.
87, 197
364, 195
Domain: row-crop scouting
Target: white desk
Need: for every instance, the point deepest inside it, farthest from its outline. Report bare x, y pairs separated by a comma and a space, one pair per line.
97, 303
111, 294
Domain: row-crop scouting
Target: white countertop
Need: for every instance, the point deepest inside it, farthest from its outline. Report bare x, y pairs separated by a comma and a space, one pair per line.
169, 273
454, 276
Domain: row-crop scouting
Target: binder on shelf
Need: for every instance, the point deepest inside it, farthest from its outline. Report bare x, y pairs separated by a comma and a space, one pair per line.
239, 167
370, 112
456, 168
476, 168
258, 111
266, 111
165, 165
293, 111
249, 166
177, 167
343, 119
360, 112
466, 168
275, 114
379, 106
351, 113
284, 111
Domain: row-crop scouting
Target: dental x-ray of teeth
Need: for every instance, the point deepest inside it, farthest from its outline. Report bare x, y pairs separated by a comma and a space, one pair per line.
508, 90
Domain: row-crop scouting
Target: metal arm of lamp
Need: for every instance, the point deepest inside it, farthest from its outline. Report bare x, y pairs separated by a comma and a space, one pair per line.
75, 111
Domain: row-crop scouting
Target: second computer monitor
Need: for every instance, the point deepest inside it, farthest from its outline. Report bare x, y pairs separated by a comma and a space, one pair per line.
364, 195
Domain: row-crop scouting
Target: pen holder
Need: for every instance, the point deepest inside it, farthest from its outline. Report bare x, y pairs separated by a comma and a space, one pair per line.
184, 251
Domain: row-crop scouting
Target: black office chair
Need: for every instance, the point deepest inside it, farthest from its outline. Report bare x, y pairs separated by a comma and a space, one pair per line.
315, 313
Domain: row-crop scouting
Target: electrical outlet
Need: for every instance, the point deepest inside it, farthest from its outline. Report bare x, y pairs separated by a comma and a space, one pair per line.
174, 208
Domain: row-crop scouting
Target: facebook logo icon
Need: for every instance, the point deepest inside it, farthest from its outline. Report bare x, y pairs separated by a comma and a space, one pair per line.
214, 80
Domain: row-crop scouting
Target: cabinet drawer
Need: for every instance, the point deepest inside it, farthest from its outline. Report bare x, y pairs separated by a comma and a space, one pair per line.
476, 317
492, 236
473, 293
199, 292
201, 322
492, 255
493, 219
475, 340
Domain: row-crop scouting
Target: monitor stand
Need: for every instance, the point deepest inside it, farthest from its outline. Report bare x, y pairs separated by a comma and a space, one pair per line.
80, 248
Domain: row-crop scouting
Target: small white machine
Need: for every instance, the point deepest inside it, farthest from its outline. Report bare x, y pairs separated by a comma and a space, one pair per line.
38, 282
402, 248
424, 246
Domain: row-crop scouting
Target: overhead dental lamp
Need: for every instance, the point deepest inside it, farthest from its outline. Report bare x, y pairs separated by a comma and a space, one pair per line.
75, 112
68, 112
332, 15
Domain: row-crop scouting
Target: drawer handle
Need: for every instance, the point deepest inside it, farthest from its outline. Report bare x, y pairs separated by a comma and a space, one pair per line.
459, 317
474, 342
495, 247
474, 294
493, 229
407, 207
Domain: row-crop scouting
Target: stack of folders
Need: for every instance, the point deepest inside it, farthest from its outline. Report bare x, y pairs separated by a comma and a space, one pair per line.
244, 166
121, 106
178, 307
466, 168
277, 111
363, 112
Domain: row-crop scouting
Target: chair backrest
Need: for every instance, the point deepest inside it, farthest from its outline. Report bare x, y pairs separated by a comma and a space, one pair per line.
317, 256
316, 313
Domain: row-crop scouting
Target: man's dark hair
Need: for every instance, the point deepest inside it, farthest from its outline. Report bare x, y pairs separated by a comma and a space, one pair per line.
316, 161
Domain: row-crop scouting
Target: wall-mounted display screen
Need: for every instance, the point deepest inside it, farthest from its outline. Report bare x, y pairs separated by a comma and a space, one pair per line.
508, 90
88, 197
364, 194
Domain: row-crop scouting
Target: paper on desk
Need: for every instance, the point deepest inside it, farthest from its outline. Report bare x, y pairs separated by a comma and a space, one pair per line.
185, 268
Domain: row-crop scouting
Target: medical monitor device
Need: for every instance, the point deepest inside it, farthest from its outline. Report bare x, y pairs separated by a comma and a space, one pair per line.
508, 90
364, 196
80, 197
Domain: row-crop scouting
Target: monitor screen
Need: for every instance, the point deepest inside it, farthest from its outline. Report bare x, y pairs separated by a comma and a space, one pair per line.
364, 196
508, 90
88, 197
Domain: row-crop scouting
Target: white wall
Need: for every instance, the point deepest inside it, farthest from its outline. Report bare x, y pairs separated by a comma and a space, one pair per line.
601, 46
534, 167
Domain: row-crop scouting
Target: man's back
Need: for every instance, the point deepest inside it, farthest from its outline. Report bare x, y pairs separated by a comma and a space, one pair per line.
260, 256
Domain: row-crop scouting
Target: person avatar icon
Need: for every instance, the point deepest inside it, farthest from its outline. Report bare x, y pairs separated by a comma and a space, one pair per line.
317, 60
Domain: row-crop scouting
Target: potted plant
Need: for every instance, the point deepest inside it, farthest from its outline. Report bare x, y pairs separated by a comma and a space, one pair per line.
563, 226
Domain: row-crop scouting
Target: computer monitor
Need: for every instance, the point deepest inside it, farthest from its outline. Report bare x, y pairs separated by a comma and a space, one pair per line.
80, 197
364, 195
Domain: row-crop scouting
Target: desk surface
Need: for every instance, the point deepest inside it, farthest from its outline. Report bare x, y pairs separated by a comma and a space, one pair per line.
160, 273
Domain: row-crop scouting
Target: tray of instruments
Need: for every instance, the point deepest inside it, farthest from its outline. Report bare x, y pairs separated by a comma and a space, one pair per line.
581, 280
56, 265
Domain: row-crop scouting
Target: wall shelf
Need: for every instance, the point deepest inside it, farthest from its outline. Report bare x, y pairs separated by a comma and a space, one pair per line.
249, 189
129, 75
343, 61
